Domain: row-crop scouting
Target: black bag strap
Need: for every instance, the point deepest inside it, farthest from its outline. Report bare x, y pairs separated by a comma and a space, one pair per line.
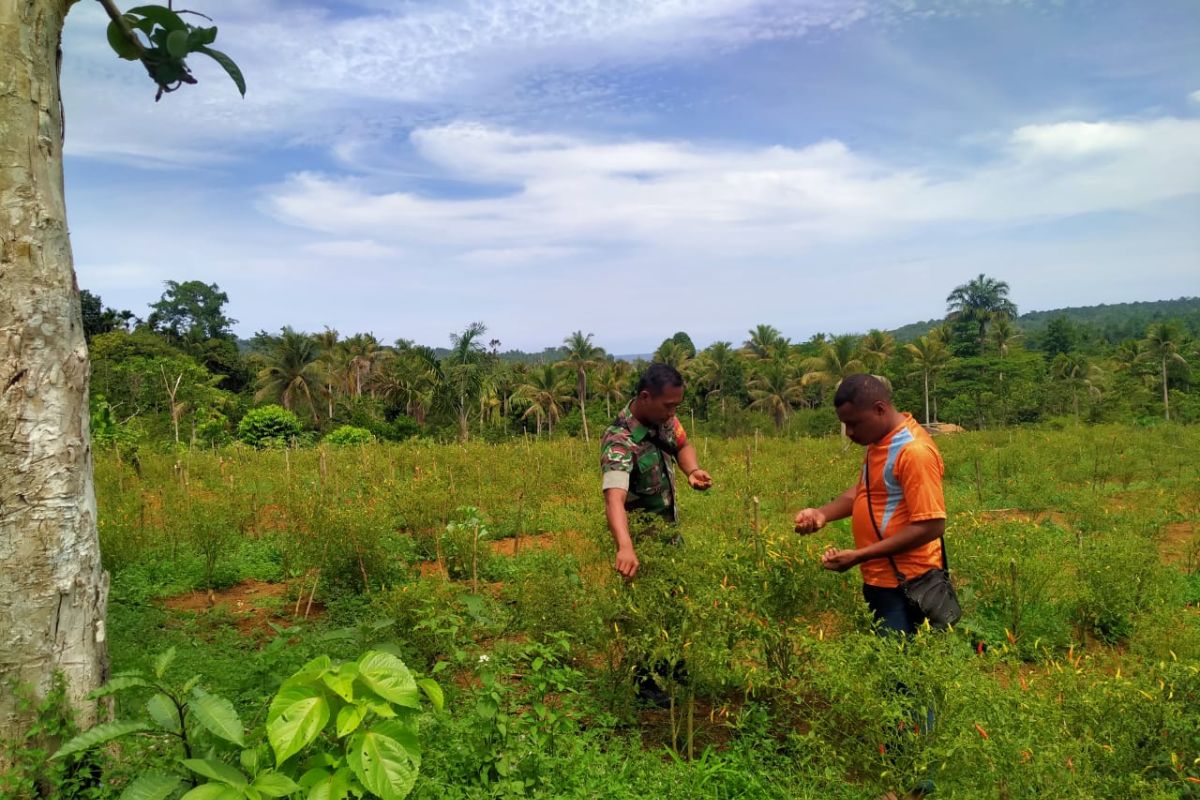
875, 525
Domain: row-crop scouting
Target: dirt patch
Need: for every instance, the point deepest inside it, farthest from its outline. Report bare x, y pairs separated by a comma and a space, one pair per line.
938, 428
250, 604
711, 726
513, 545
1179, 545
1057, 518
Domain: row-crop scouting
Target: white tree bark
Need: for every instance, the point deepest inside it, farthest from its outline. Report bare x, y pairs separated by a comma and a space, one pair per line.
53, 593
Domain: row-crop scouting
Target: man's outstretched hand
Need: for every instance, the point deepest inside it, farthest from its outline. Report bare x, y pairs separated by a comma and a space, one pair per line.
699, 479
809, 520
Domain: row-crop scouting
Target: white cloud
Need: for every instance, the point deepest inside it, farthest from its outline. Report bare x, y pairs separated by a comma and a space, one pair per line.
569, 193
357, 249
1195, 97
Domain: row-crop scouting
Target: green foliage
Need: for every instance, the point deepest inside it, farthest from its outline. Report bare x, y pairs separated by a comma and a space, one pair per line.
162, 41
269, 426
356, 722
349, 435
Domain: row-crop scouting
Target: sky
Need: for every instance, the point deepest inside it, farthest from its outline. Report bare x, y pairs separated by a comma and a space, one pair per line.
631, 168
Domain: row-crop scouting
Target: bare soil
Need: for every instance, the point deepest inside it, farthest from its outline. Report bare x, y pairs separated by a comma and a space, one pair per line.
252, 604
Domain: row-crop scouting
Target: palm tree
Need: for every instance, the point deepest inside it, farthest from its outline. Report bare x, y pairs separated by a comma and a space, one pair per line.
713, 369
876, 348
840, 357
1163, 341
1074, 370
581, 356
463, 372
327, 342
671, 352
929, 354
610, 384
774, 388
545, 391
765, 343
1004, 335
979, 301
290, 371
362, 350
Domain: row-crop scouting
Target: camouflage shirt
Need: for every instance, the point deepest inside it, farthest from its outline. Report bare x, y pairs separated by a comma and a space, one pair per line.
641, 460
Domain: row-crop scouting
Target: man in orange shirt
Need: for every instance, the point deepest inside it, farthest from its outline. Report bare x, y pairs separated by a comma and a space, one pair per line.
897, 511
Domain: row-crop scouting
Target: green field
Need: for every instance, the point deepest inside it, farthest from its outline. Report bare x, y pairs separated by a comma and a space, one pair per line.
1076, 553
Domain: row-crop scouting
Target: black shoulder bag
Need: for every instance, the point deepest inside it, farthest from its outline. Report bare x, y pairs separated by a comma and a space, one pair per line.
931, 592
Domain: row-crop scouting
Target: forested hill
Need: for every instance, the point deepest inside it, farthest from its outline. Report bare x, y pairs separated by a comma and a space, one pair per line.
1114, 322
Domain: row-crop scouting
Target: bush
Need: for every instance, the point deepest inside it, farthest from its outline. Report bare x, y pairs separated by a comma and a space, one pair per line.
349, 434
269, 426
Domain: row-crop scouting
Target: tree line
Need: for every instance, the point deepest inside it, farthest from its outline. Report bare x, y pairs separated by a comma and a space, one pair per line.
181, 375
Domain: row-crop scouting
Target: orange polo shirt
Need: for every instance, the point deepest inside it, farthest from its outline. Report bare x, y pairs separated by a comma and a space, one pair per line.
906, 486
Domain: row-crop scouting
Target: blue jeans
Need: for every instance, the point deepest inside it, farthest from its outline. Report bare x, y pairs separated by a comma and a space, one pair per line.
892, 610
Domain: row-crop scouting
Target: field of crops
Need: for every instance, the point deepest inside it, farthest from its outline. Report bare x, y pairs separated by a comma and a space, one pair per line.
1075, 672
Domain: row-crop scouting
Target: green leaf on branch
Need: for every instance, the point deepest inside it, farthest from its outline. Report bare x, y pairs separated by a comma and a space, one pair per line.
218, 716
177, 44
216, 770
274, 784
382, 765
387, 676
348, 720
433, 692
228, 65
121, 44
201, 36
162, 662
104, 732
161, 15
164, 712
297, 716
152, 786
213, 791
116, 685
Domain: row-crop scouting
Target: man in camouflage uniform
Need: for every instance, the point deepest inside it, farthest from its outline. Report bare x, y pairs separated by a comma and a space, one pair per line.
638, 453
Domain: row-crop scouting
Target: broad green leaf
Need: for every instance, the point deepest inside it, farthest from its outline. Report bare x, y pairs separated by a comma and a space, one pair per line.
348, 720
120, 43
297, 725
310, 673
164, 713
162, 662
104, 732
152, 786
161, 15
382, 765
217, 770
218, 716
406, 734
118, 684
177, 44
275, 784
229, 66
288, 695
331, 787
249, 760
342, 681
213, 791
191, 684
433, 692
387, 676
200, 36
313, 777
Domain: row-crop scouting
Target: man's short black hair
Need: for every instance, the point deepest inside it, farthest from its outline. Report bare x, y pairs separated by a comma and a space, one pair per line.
658, 377
861, 390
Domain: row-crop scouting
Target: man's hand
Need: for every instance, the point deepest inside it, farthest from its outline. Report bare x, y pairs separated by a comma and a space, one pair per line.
839, 560
699, 479
809, 520
627, 562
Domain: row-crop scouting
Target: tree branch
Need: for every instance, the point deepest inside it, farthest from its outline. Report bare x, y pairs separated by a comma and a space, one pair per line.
116, 16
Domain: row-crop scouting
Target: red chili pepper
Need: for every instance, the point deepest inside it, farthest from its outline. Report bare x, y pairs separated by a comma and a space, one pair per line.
982, 732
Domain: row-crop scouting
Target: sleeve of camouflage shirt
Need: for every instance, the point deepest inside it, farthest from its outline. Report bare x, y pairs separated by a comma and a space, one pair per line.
616, 459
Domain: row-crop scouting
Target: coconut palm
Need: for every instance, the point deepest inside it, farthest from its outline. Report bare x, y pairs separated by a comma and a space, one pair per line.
979, 301
362, 350
929, 354
766, 343
1003, 335
840, 357
1074, 370
876, 348
1163, 343
581, 356
290, 371
463, 371
610, 384
545, 392
775, 388
713, 369
672, 352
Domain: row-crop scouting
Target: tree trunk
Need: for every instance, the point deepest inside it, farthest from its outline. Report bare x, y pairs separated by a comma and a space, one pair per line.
582, 404
1166, 400
926, 397
53, 592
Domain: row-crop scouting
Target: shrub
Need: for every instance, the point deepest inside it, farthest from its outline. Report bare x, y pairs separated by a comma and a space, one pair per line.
269, 426
349, 434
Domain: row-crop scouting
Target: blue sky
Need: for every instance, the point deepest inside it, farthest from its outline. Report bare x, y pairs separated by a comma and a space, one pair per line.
636, 167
